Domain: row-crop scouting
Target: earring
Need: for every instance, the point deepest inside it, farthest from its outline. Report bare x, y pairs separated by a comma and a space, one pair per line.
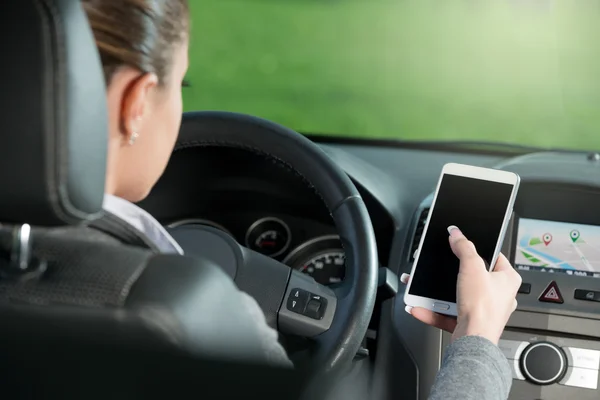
133, 137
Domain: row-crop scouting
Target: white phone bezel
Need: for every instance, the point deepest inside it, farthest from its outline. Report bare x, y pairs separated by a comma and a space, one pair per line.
468, 171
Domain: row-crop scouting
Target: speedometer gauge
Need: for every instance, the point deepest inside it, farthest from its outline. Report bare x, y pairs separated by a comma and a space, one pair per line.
325, 268
322, 258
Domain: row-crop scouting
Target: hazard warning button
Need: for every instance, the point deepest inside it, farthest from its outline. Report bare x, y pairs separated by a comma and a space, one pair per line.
551, 294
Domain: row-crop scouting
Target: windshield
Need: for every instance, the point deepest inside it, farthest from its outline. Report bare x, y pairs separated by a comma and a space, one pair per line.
523, 72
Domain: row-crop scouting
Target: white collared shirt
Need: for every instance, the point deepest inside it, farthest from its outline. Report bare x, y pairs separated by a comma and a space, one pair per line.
143, 222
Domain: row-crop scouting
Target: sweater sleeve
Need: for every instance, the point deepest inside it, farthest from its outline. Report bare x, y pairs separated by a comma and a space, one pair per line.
273, 352
473, 368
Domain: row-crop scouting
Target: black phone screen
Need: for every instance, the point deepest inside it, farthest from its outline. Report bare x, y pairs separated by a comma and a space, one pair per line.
477, 207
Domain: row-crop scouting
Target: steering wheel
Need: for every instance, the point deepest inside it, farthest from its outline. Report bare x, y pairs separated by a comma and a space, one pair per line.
335, 319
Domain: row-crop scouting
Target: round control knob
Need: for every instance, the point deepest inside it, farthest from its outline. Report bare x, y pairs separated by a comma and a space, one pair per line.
543, 363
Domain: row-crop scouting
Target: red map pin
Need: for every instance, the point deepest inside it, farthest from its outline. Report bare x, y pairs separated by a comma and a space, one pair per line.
547, 238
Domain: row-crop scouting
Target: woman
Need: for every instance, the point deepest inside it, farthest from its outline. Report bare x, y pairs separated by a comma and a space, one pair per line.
143, 46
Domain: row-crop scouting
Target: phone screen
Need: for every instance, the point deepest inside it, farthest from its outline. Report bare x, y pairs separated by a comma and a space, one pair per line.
478, 208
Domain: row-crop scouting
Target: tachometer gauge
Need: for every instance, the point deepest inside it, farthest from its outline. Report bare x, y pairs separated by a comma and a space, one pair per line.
269, 236
322, 258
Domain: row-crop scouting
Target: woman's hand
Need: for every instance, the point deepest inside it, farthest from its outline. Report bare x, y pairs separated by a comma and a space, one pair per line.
485, 300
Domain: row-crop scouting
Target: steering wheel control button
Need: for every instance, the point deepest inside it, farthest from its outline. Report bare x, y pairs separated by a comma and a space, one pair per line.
316, 307
583, 358
551, 294
306, 321
512, 349
543, 363
307, 304
298, 300
581, 377
312, 309
441, 306
588, 295
525, 288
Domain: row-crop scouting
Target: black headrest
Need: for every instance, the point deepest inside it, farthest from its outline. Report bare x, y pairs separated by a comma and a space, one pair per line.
53, 117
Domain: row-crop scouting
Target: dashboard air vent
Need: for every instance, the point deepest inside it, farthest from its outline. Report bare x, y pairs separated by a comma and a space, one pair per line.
418, 233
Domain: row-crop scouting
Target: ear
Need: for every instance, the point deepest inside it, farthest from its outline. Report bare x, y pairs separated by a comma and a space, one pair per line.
135, 103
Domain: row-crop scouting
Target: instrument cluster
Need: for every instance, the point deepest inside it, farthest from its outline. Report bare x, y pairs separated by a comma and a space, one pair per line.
320, 256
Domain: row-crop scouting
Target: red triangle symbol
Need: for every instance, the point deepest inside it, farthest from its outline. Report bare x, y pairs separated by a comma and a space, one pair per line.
552, 294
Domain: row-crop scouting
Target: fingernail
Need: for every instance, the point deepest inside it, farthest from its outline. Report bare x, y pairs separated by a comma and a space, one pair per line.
408, 309
404, 278
454, 231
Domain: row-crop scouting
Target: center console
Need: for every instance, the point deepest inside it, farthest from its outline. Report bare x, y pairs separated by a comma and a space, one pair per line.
553, 339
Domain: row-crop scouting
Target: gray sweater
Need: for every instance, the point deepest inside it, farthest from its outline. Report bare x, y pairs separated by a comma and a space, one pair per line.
473, 368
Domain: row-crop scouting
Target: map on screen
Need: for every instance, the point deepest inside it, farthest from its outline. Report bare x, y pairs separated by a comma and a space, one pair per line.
551, 246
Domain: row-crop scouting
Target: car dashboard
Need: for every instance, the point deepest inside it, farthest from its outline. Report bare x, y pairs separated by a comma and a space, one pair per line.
553, 339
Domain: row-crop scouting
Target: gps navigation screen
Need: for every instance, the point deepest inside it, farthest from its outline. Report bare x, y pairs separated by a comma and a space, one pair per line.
558, 247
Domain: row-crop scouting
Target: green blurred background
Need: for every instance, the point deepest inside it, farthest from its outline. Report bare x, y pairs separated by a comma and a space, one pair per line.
516, 71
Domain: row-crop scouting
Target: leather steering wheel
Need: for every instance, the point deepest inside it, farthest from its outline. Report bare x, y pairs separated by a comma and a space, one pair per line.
338, 327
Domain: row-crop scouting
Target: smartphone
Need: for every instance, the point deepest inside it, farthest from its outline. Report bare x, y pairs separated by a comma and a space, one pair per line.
479, 201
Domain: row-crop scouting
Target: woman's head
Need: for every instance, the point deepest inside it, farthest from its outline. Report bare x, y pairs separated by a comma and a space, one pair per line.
143, 47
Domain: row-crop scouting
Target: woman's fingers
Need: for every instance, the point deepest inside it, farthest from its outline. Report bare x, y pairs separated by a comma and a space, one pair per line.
404, 278
461, 246
502, 264
428, 317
